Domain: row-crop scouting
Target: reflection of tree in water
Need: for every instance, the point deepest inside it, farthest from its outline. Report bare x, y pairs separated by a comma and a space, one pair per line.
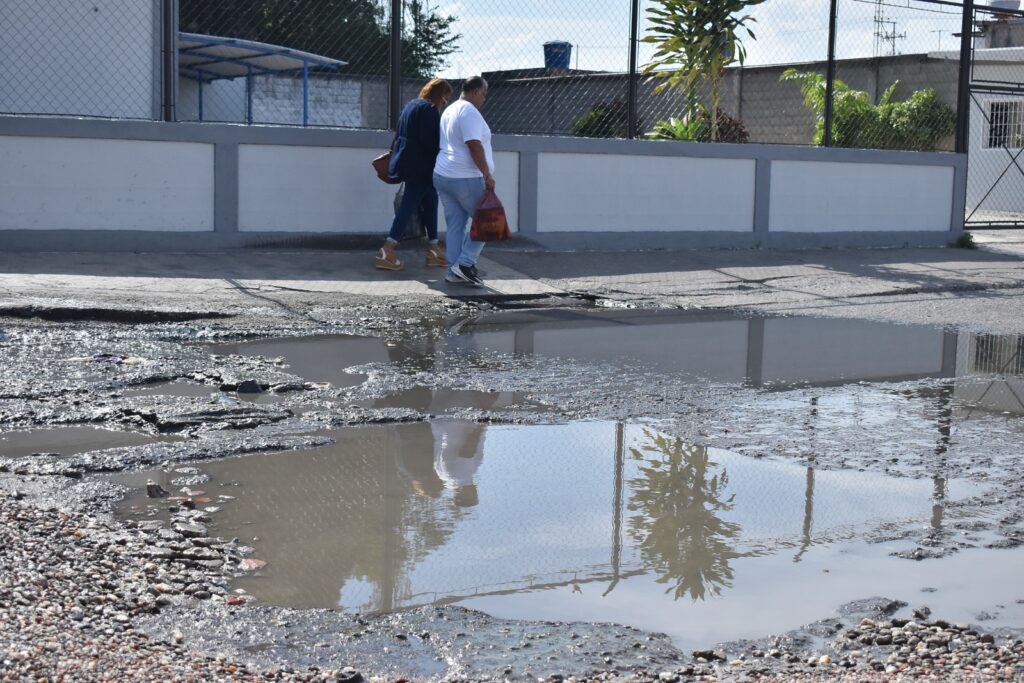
678, 498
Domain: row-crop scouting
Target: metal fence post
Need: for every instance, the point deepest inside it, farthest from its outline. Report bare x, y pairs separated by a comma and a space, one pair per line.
395, 72
830, 72
963, 93
169, 69
631, 118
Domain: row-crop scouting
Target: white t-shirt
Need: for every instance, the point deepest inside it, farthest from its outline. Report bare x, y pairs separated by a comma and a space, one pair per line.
460, 122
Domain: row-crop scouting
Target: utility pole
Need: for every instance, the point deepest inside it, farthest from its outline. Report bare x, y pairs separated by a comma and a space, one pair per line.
882, 35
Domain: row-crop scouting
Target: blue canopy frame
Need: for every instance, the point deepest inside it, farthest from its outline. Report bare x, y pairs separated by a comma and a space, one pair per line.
205, 59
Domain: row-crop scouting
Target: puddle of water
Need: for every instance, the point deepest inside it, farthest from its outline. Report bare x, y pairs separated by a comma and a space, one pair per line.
318, 358
68, 441
591, 520
726, 347
987, 370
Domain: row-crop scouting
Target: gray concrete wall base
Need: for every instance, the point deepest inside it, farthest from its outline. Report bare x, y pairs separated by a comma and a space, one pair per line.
145, 241
599, 241
844, 240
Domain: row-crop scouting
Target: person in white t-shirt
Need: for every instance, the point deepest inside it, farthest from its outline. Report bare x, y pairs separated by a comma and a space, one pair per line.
462, 173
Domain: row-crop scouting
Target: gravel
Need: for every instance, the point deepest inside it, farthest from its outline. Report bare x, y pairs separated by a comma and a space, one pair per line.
71, 586
74, 584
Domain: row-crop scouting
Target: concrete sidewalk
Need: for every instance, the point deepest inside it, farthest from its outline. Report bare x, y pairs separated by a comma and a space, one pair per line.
983, 288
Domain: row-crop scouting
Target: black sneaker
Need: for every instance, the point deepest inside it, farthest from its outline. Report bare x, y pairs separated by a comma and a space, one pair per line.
466, 274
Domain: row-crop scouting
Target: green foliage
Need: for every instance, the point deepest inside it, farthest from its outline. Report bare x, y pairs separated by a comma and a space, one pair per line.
605, 120
698, 129
355, 31
965, 241
918, 123
428, 40
694, 41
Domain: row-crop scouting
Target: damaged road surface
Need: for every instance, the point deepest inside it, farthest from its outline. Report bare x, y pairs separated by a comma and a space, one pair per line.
458, 492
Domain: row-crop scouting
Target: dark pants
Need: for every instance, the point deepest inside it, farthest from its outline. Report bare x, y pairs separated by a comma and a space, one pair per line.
421, 196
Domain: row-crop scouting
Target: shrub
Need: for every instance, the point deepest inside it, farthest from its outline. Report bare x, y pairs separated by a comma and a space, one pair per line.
605, 120
918, 123
698, 129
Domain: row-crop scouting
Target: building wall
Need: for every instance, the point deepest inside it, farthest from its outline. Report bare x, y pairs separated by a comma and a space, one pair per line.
71, 57
1009, 33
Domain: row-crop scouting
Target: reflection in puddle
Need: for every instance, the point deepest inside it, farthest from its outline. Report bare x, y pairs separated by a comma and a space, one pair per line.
987, 371
591, 520
316, 359
68, 441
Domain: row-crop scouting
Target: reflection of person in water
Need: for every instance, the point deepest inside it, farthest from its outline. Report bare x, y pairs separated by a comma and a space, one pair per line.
458, 450
415, 460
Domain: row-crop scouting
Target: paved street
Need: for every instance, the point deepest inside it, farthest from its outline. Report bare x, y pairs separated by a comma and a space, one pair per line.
980, 289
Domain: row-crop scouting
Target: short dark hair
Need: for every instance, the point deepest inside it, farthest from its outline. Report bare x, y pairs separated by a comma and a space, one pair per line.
473, 84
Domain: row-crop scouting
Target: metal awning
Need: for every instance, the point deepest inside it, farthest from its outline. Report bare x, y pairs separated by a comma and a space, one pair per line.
210, 58
206, 59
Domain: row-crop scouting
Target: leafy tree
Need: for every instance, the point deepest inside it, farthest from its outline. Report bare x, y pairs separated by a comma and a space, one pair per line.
355, 31
694, 41
427, 41
698, 128
918, 123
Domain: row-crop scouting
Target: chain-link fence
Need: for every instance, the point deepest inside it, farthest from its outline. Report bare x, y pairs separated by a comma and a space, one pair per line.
615, 68
995, 181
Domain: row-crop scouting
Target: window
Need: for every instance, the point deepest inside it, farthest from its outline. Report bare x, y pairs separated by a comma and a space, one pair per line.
1006, 124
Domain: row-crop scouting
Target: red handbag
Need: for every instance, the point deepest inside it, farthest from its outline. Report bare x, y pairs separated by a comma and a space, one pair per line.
489, 221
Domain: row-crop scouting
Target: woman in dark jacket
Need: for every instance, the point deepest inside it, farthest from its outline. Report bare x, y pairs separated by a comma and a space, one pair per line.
412, 160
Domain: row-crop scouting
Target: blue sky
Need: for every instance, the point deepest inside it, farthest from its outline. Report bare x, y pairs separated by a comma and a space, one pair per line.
503, 34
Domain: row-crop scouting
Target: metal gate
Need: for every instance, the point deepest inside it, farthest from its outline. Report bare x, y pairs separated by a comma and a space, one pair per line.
995, 175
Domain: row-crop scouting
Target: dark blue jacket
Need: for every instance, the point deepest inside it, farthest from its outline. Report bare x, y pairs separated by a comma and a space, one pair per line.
418, 141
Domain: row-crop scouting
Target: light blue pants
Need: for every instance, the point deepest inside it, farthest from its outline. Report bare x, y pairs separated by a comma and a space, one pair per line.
460, 197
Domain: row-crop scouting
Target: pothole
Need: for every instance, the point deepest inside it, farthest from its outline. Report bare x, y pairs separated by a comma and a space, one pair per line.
591, 521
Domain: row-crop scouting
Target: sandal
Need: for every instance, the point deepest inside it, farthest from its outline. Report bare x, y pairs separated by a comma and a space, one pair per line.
436, 256
387, 259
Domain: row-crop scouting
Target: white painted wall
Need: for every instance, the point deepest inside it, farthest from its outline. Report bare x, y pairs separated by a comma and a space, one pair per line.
311, 189
332, 101
811, 350
810, 196
614, 192
275, 100
223, 101
76, 184
78, 57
